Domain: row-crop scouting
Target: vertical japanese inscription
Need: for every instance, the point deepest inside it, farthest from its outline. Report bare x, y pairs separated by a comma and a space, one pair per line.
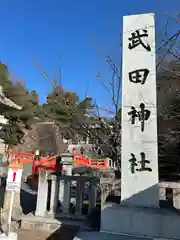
139, 37
142, 115
139, 165
143, 163
139, 76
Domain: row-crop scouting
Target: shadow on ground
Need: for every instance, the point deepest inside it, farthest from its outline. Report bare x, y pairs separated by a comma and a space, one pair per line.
28, 199
28, 202
64, 232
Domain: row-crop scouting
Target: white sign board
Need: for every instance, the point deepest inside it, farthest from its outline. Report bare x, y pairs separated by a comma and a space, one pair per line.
14, 179
139, 163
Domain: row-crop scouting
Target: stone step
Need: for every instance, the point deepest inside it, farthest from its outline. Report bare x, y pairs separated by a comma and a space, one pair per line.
49, 224
64, 233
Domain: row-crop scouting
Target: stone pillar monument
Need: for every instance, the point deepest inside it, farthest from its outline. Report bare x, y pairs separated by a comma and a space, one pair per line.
139, 160
65, 189
137, 212
41, 206
79, 196
65, 185
54, 194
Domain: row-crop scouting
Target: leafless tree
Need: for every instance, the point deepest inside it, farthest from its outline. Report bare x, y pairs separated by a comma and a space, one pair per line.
168, 73
110, 133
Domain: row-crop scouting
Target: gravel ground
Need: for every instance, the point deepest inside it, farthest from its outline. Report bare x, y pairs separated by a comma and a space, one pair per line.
65, 233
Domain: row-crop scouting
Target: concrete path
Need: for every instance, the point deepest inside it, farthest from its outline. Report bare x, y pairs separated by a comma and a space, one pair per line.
105, 236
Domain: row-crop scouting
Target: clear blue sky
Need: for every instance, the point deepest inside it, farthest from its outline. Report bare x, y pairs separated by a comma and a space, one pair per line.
48, 29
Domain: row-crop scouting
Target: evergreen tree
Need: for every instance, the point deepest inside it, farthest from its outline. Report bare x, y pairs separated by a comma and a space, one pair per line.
18, 120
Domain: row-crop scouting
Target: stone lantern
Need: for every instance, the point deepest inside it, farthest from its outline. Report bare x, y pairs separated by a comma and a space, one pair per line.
67, 160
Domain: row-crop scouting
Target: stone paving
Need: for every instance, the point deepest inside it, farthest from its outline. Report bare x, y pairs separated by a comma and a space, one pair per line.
69, 235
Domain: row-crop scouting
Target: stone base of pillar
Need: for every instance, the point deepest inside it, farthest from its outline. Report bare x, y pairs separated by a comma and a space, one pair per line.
47, 223
50, 215
151, 222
